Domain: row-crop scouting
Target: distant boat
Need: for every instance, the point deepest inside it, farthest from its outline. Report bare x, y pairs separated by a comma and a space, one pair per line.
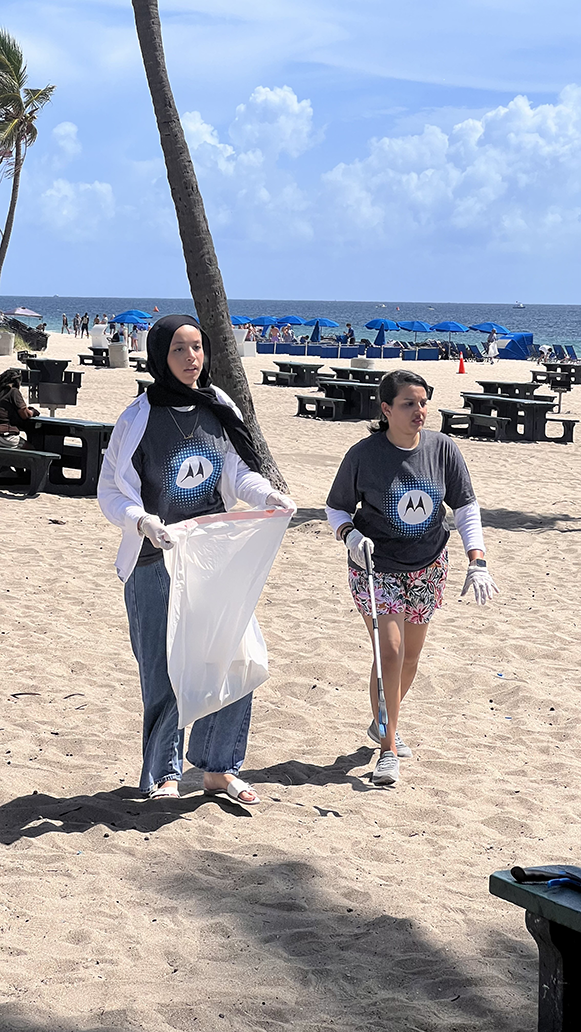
518, 304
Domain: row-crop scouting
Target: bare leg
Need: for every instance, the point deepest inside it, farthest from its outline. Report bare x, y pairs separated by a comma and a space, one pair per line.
414, 638
391, 639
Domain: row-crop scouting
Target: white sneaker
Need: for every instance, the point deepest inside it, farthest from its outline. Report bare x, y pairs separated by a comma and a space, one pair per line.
403, 751
386, 770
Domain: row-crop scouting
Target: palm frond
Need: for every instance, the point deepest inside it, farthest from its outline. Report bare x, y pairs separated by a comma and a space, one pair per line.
36, 99
10, 52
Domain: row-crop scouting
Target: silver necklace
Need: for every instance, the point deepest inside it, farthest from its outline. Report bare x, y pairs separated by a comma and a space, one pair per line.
186, 437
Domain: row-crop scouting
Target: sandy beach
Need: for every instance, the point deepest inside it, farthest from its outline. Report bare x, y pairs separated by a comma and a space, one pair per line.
333, 905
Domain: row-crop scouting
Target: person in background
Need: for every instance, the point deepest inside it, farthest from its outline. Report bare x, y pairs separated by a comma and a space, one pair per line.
275, 335
389, 495
349, 336
65, 326
104, 319
76, 324
96, 321
134, 339
85, 325
13, 408
491, 336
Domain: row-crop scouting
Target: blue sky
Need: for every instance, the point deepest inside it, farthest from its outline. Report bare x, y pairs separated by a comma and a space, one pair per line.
370, 150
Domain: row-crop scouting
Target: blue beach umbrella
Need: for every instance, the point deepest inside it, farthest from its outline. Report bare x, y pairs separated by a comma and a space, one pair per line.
449, 328
132, 315
321, 322
378, 324
263, 320
380, 339
290, 320
488, 327
239, 320
416, 326
316, 334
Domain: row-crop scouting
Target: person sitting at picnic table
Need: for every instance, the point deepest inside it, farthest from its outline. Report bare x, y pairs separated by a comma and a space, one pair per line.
389, 494
13, 408
180, 450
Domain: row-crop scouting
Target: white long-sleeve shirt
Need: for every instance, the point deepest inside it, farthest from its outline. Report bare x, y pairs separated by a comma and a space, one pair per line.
119, 487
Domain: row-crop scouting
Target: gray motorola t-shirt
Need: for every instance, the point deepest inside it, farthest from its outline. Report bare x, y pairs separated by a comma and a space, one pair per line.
397, 497
179, 461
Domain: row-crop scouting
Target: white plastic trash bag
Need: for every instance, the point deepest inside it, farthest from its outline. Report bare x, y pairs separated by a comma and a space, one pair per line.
215, 650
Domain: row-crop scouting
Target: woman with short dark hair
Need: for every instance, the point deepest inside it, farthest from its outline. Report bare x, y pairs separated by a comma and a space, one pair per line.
389, 493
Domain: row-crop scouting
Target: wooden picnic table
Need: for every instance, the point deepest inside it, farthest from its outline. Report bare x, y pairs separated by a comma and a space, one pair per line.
361, 399
510, 388
305, 373
357, 374
553, 917
530, 413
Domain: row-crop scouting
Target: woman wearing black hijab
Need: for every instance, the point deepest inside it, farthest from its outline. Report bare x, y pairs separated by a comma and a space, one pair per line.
179, 451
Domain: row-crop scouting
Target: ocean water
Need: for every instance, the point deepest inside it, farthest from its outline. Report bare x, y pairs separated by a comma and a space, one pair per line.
550, 324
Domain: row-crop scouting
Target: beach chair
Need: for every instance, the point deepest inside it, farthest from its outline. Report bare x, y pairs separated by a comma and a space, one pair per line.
560, 353
574, 352
478, 352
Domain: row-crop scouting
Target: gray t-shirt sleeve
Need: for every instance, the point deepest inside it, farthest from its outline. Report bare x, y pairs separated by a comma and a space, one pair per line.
344, 494
459, 490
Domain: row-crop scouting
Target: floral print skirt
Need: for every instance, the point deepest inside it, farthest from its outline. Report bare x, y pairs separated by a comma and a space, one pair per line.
416, 594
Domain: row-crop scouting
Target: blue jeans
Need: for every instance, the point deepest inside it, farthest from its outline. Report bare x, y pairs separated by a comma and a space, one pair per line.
218, 741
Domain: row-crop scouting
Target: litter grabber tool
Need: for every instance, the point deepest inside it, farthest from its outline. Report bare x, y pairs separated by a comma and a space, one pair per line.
382, 709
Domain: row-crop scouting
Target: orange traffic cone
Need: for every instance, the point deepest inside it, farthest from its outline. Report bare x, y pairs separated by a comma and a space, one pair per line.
461, 368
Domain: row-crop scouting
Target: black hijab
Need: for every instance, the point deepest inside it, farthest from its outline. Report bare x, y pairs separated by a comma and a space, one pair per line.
168, 390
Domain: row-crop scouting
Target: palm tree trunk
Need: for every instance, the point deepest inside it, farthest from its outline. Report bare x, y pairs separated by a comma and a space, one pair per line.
202, 267
7, 233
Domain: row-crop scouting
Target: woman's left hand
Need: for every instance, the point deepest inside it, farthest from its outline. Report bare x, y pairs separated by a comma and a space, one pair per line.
479, 579
276, 500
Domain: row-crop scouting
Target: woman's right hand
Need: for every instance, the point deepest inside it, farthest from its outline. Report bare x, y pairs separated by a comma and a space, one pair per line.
156, 531
356, 542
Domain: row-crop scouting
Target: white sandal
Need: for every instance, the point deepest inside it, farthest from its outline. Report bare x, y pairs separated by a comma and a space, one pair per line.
166, 792
234, 790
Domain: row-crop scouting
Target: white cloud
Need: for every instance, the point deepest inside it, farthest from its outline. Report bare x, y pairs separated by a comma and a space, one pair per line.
65, 134
77, 211
508, 180
243, 187
274, 121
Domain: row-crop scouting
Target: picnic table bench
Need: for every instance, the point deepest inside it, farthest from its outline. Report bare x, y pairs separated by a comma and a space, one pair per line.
95, 358
304, 373
34, 467
473, 424
553, 917
84, 452
277, 378
139, 362
319, 407
142, 386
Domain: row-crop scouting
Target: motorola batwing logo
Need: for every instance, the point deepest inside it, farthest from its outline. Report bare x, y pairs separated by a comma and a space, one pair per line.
194, 471
415, 507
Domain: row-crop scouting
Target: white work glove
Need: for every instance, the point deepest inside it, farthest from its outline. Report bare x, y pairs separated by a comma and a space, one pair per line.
480, 580
356, 545
152, 527
276, 500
